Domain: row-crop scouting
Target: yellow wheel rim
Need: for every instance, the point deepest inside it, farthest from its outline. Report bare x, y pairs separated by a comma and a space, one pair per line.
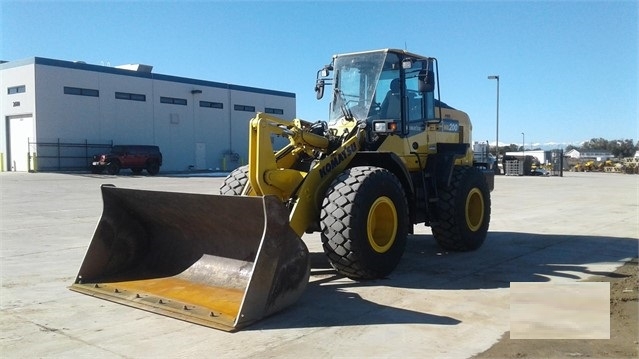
474, 209
382, 224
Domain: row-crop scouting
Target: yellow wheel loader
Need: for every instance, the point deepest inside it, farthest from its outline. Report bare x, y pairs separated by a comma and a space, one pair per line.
390, 156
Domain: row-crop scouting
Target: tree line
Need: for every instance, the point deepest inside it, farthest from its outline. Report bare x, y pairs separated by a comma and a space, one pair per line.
618, 148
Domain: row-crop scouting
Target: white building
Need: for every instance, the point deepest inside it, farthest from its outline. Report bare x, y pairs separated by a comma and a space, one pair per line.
540, 155
598, 155
63, 112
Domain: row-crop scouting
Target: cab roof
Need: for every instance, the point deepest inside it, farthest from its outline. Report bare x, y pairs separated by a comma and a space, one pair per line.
403, 53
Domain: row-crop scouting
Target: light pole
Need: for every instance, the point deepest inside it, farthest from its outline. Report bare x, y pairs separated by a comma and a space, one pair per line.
496, 77
523, 145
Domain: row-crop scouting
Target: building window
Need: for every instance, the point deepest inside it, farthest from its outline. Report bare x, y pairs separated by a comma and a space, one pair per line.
211, 104
173, 100
274, 111
244, 108
81, 92
130, 96
16, 89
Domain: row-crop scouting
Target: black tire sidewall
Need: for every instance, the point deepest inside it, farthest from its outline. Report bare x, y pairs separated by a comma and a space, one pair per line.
364, 199
475, 180
350, 252
153, 168
456, 235
113, 168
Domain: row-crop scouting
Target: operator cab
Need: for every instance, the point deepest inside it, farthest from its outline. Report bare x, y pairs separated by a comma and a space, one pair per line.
391, 91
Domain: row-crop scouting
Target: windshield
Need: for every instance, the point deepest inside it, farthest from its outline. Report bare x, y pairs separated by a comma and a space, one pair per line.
356, 84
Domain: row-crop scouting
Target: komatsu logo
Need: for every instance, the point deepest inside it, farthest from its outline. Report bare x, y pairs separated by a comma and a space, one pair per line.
337, 159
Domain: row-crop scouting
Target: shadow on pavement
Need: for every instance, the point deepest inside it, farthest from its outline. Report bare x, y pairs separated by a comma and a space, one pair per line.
505, 257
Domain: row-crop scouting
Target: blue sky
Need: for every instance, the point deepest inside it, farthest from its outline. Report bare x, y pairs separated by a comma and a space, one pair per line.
568, 69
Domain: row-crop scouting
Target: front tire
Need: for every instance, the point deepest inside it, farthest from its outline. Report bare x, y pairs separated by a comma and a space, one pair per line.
464, 211
364, 220
235, 182
113, 168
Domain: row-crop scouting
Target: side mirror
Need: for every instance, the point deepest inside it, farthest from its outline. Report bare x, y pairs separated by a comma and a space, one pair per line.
319, 89
426, 81
319, 84
324, 72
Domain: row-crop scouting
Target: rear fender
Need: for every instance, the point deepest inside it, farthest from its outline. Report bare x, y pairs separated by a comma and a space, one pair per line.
440, 165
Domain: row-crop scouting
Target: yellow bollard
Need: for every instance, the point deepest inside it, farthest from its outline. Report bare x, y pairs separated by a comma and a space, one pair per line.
32, 162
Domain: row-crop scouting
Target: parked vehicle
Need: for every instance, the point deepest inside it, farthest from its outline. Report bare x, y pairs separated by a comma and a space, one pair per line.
135, 157
539, 172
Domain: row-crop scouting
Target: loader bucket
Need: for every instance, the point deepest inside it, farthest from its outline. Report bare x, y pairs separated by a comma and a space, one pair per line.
219, 261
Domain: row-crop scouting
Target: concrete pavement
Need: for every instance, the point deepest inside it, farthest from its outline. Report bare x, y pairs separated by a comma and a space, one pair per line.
436, 304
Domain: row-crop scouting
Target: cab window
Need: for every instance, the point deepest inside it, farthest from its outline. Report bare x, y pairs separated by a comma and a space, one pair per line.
420, 104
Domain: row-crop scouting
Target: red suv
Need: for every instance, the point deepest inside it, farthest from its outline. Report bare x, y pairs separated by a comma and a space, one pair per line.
135, 157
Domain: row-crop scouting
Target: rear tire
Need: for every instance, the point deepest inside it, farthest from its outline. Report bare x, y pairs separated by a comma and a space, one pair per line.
153, 168
464, 211
235, 182
364, 220
113, 168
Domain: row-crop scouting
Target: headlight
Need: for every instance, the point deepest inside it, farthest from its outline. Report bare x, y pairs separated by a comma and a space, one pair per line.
380, 126
384, 126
